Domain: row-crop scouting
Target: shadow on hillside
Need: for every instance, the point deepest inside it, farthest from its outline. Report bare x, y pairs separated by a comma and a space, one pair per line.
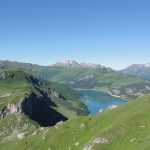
40, 110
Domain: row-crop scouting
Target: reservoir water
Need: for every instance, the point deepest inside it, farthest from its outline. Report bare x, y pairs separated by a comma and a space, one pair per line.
96, 100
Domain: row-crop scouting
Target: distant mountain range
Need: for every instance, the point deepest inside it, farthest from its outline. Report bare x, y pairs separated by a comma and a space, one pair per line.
140, 70
85, 76
74, 63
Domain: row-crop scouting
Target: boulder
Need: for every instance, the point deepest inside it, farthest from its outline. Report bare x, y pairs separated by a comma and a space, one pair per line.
20, 136
82, 126
101, 110
112, 107
2, 75
147, 88
129, 91
116, 91
12, 108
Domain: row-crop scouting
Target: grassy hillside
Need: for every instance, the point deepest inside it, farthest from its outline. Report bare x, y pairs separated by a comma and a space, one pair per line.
16, 85
124, 128
13, 87
27, 103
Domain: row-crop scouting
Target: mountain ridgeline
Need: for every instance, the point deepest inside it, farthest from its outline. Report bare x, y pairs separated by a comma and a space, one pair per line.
89, 76
140, 70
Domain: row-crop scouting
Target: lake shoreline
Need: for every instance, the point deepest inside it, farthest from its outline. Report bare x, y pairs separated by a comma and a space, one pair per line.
95, 100
103, 91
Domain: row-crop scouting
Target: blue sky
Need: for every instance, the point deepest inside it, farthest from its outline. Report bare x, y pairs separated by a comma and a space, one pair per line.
114, 33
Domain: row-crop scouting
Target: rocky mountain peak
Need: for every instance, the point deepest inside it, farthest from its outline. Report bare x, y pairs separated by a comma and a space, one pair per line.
141, 70
67, 63
146, 65
74, 63
90, 65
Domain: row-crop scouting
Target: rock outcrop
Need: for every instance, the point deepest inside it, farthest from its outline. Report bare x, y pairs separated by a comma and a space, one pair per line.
2, 75
20, 136
11, 109
112, 107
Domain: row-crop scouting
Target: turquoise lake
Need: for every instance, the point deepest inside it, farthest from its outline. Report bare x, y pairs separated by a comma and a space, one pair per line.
96, 100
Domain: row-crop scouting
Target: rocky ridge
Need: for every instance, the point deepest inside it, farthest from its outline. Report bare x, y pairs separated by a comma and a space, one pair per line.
74, 63
140, 70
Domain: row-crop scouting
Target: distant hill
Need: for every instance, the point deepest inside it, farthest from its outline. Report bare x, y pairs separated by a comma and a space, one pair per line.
140, 70
99, 78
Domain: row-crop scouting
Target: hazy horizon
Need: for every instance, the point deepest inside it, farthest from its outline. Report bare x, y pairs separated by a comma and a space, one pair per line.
67, 60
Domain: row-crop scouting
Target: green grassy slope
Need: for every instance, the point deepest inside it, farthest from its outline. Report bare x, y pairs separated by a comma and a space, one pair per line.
13, 124
13, 88
124, 128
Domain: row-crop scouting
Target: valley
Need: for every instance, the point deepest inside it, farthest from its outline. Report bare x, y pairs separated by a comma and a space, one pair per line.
74, 75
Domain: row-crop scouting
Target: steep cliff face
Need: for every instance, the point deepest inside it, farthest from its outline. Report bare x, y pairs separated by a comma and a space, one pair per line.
38, 108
